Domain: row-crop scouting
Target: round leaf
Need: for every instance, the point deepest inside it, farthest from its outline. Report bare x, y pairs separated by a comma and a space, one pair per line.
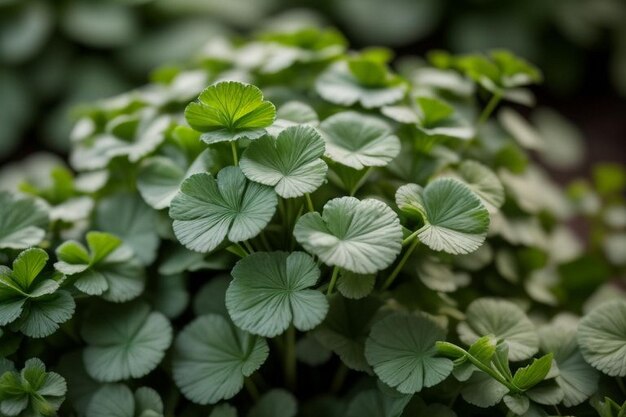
483, 182
126, 342
206, 211
23, 222
401, 349
455, 219
359, 141
271, 290
230, 110
602, 338
360, 236
291, 163
504, 320
211, 359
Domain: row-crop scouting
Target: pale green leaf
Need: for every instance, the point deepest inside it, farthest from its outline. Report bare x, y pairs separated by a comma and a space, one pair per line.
291, 163
339, 86
455, 219
212, 358
230, 110
269, 291
359, 236
117, 400
359, 141
346, 328
483, 182
483, 391
23, 222
439, 276
517, 403
275, 403
206, 210
401, 349
504, 320
602, 338
128, 341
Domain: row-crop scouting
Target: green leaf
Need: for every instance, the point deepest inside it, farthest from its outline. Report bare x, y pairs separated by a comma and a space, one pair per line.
355, 286
433, 111
211, 299
80, 386
439, 276
455, 220
269, 291
346, 328
293, 113
291, 163
206, 211
483, 182
483, 391
361, 236
518, 404
339, 85
128, 341
521, 130
532, 374
212, 357
275, 403
230, 110
602, 338
576, 378
107, 269
401, 349
129, 218
310, 351
359, 141
23, 222
30, 297
504, 320
168, 294
117, 400
381, 402
159, 178
33, 391
223, 410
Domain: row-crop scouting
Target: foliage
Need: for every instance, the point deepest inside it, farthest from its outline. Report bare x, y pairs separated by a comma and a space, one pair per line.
227, 244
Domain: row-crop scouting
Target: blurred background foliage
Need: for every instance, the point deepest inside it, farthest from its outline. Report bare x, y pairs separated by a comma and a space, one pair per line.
57, 54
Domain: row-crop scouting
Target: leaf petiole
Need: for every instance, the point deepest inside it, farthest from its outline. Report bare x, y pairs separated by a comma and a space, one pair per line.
290, 357
489, 108
333, 280
309, 202
400, 265
233, 147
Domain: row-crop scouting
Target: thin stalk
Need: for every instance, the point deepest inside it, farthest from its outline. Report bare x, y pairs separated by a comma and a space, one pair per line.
248, 246
252, 389
237, 250
290, 357
400, 265
171, 403
410, 238
489, 108
309, 202
339, 378
265, 242
333, 280
233, 148
359, 184
242, 249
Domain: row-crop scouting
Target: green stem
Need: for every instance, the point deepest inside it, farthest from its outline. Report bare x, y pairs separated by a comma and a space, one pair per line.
237, 250
339, 378
252, 389
361, 181
248, 246
265, 242
333, 280
309, 203
233, 147
290, 358
242, 249
171, 403
410, 238
400, 265
489, 108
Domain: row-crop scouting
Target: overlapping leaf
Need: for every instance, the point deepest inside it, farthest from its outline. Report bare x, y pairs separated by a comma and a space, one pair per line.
23, 222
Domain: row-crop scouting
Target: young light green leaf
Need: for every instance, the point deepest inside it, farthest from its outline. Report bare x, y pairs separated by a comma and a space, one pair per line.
206, 210
128, 341
159, 178
291, 163
360, 236
31, 392
576, 378
355, 286
532, 374
230, 110
129, 218
212, 357
275, 403
339, 85
359, 141
602, 338
23, 222
107, 269
401, 349
346, 328
504, 320
30, 297
455, 220
271, 290
117, 400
